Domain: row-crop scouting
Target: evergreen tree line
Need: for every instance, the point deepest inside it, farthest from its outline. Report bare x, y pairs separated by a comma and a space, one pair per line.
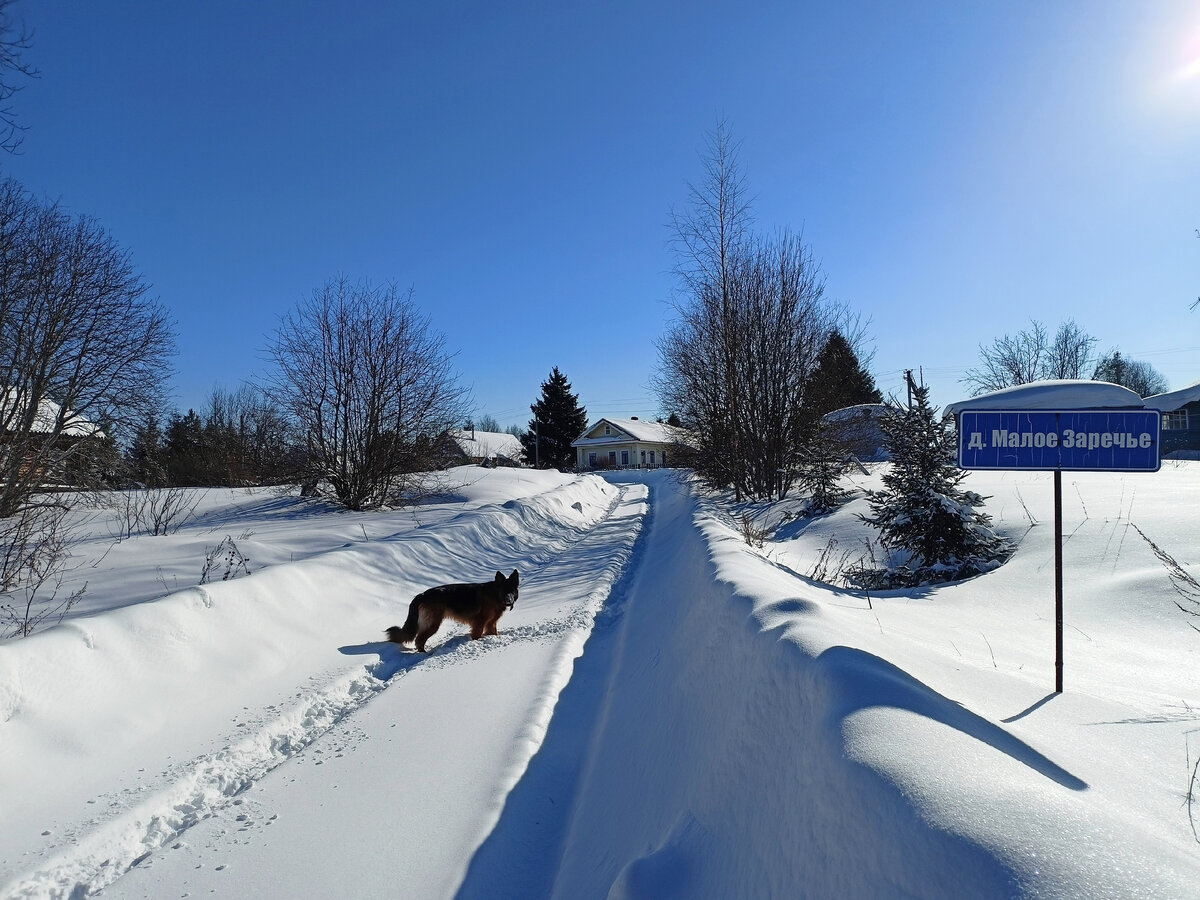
242, 439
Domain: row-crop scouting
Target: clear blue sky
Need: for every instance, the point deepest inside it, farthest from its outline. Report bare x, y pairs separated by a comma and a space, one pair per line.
958, 168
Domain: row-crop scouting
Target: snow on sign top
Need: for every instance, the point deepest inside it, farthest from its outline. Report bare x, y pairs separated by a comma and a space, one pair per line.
1063, 394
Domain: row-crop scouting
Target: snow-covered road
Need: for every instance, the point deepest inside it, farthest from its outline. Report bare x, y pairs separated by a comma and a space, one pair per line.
394, 799
370, 766
667, 712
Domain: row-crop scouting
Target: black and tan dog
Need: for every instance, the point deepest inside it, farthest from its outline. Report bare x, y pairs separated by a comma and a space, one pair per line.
477, 605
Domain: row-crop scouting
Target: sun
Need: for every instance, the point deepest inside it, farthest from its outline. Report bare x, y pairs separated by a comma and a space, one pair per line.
1189, 71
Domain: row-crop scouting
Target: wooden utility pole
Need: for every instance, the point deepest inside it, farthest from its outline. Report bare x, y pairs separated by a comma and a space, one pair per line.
908, 380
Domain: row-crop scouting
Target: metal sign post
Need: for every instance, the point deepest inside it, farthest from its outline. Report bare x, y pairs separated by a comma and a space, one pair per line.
1058, 597
1068, 440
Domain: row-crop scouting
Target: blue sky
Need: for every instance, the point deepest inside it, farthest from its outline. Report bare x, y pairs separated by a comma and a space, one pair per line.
957, 168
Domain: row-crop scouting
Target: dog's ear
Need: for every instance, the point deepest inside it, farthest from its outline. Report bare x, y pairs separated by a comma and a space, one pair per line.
499, 576
515, 577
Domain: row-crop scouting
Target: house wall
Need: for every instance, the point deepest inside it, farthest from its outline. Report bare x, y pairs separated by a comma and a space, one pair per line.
1184, 440
634, 448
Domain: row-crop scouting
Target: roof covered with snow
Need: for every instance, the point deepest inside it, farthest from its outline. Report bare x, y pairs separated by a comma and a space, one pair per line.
488, 444
625, 430
1174, 400
859, 412
1058, 394
74, 425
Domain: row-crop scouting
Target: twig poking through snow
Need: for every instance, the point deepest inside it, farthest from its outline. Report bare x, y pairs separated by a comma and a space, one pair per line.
1182, 582
990, 650
1028, 514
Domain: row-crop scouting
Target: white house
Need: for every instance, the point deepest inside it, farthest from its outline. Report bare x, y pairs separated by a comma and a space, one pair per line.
624, 443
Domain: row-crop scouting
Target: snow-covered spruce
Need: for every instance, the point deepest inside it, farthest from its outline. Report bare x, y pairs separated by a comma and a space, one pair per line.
932, 529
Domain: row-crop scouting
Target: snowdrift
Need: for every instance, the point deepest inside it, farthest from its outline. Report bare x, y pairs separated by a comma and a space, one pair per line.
740, 730
140, 698
667, 712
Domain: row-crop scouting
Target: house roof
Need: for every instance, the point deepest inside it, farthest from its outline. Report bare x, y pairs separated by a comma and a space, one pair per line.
74, 425
1174, 400
859, 412
629, 429
488, 444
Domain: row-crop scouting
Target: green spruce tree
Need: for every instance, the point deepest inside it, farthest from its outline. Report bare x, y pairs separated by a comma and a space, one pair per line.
822, 463
557, 420
839, 379
147, 452
184, 450
932, 528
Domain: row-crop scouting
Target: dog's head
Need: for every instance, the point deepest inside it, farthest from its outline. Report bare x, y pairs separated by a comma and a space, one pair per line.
508, 587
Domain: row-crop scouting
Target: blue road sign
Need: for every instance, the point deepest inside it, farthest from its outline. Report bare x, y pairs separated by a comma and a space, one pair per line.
1073, 440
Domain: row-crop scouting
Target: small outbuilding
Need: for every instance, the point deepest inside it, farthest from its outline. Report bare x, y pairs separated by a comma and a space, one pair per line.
859, 429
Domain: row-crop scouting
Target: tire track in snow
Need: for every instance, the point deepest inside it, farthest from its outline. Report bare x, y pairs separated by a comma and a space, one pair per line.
93, 855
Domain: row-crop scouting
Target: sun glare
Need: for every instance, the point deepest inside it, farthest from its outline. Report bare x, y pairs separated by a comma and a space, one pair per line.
1190, 70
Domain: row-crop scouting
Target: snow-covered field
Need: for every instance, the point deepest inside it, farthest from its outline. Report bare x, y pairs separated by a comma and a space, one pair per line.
667, 711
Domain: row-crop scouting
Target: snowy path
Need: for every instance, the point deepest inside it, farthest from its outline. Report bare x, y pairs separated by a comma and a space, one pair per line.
692, 758
666, 713
258, 815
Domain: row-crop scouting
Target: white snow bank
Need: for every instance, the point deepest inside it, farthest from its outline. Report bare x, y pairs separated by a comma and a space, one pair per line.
741, 730
1055, 394
200, 692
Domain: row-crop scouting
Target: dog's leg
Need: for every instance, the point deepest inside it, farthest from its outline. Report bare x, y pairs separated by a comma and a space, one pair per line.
429, 620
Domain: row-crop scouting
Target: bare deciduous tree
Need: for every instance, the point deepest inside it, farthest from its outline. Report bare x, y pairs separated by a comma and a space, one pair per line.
248, 437
14, 41
1070, 353
34, 555
1137, 375
371, 388
1031, 355
707, 238
751, 322
83, 349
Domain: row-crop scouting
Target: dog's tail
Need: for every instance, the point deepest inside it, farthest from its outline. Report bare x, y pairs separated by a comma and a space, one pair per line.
408, 633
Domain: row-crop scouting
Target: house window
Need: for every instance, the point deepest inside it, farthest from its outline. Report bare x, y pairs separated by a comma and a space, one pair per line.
643, 457
612, 457
607, 431
624, 457
651, 457
1175, 421
591, 460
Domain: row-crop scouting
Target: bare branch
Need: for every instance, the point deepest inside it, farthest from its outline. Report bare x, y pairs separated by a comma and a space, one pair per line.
372, 389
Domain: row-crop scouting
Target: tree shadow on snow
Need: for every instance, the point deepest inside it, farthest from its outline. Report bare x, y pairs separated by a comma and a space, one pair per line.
868, 681
285, 508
